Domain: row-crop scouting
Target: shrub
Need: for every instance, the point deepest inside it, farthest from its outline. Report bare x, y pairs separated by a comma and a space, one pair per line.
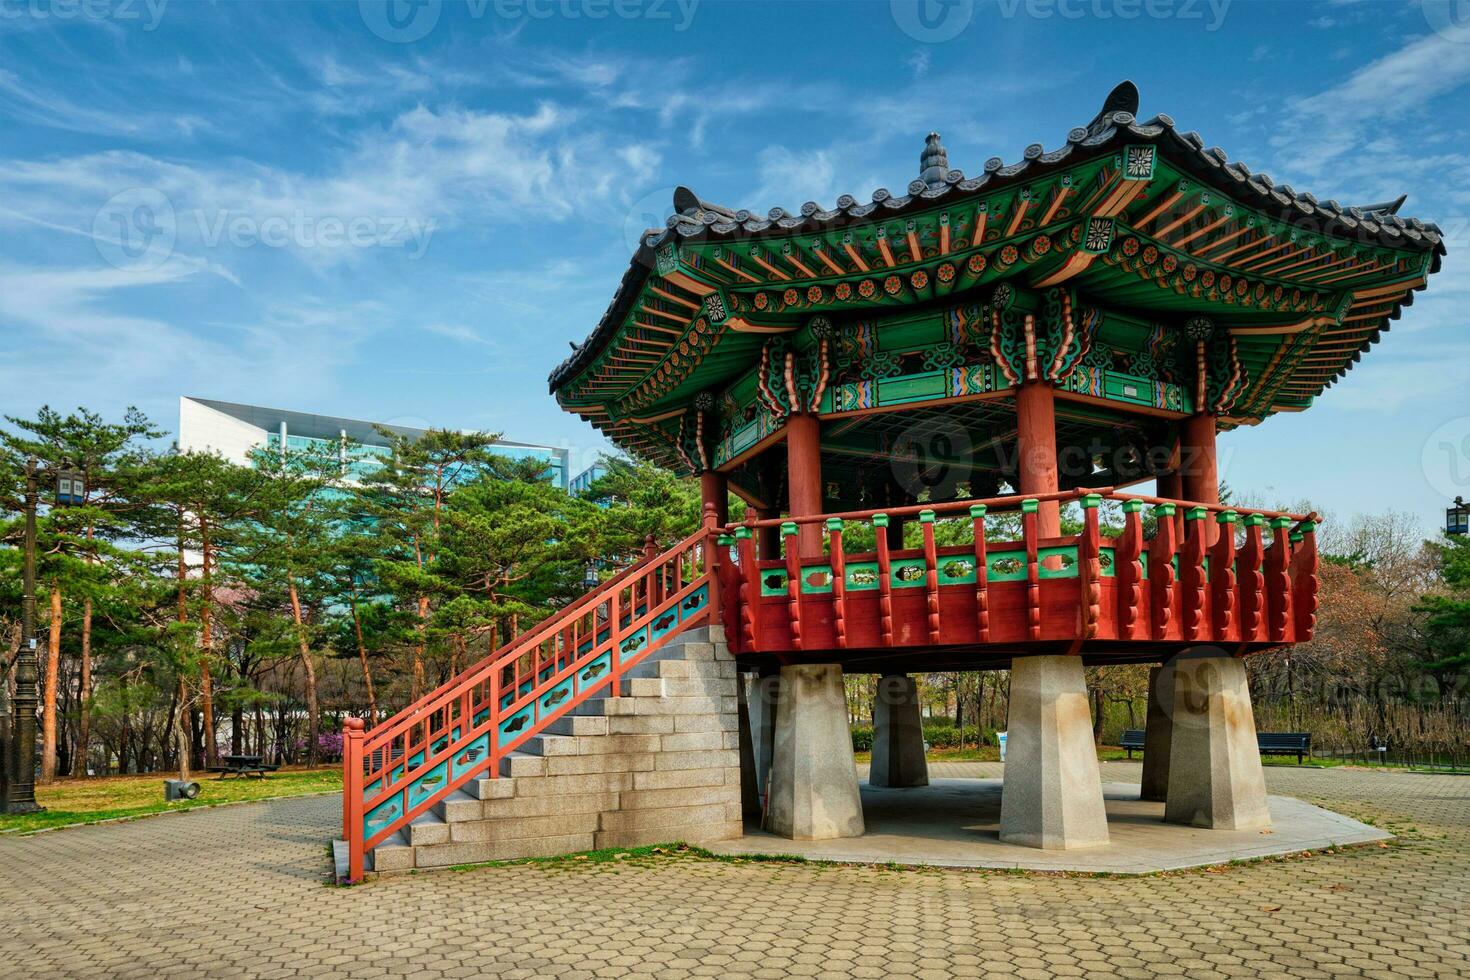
862, 738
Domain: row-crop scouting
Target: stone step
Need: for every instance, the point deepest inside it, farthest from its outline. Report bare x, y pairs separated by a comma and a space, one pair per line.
491, 789
458, 806
428, 828
522, 763
471, 852
394, 854
578, 725
520, 828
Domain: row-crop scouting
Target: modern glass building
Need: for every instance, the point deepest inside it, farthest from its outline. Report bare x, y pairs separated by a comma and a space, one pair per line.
587, 477
233, 430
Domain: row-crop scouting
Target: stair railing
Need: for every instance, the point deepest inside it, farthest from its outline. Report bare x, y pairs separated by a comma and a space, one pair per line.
462, 729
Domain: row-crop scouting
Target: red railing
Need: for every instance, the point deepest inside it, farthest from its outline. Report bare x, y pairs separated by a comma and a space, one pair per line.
1191, 581
461, 730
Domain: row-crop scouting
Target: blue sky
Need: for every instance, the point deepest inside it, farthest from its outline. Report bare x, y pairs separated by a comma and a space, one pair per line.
406, 212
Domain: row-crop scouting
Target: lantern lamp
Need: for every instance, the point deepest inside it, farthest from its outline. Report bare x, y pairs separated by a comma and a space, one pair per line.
71, 488
1457, 518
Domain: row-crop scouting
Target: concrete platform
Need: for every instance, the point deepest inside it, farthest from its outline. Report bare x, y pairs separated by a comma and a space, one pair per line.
956, 823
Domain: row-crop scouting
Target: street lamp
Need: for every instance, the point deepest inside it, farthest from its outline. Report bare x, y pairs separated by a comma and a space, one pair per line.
20, 788
1457, 518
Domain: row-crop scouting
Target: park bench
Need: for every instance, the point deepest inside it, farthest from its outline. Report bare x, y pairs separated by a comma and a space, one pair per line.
1298, 744
243, 766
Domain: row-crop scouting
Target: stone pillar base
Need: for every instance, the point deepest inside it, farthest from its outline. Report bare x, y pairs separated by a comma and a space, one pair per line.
898, 735
1158, 733
1052, 797
814, 786
1215, 776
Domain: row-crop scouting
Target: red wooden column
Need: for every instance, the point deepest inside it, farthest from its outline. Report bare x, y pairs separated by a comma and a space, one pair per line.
804, 479
714, 488
1036, 422
1197, 467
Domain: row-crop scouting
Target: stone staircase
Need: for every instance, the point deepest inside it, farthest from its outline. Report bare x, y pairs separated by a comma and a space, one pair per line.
657, 762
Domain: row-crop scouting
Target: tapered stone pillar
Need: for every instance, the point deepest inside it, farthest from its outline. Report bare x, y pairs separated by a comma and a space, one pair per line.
1158, 733
1215, 776
758, 696
898, 735
1052, 797
814, 786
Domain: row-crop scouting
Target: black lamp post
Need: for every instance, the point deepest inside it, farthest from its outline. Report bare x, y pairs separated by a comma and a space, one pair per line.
20, 795
1457, 518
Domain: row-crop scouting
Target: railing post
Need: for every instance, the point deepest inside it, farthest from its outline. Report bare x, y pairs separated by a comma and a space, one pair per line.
1278, 582
789, 542
1089, 570
713, 558
1252, 580
1223, 594
885, 586
1030, 531
750, 587
982, 573
839, 579
1192, 572
727, 583
1304, 566
352, 736
931, 574
1128, 570
1161, 569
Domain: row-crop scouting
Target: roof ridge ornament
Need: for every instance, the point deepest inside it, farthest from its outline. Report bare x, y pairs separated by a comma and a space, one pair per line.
1387, 207
934, 161
1123, 98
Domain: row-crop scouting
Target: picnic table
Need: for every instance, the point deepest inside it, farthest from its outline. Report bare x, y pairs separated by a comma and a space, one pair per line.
243, 766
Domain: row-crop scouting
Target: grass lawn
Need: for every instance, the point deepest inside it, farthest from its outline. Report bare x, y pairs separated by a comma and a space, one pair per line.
80, 801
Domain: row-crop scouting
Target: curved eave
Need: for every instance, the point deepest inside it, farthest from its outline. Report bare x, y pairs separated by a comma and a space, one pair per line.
1111, 131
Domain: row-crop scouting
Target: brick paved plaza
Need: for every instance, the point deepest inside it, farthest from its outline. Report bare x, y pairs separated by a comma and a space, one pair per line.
240, 891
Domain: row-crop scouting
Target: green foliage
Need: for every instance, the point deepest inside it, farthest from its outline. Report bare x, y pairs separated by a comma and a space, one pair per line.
1447, 630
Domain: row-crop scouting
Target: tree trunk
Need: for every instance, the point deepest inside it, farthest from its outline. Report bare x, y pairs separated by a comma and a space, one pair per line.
206, 643
418, 650
310, 665
1097, 720
181, 729
84, 695
237, 722
367, 670
48, 708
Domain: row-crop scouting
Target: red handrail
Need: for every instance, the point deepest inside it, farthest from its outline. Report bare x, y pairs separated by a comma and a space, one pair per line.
460, 730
